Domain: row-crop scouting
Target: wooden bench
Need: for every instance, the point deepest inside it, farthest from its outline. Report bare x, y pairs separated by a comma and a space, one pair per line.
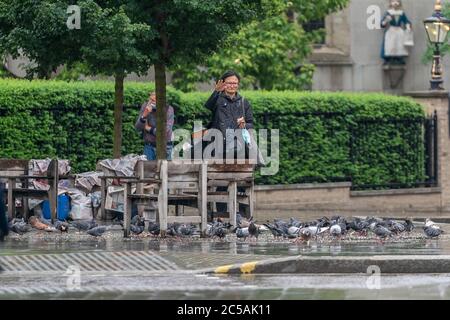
14, 170
176, 183
233, 176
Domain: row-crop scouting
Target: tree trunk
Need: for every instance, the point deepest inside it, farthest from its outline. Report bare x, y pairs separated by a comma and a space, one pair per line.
118, 111
161, 115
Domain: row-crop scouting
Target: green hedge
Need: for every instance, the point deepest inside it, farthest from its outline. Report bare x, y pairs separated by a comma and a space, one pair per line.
74, 120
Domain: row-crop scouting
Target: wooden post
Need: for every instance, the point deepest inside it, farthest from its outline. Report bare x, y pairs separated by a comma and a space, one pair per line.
11, 202
25, 198
103, 190
53, 192
251, 199
202, 197
163, 198
140, 186
232, 205
127, 205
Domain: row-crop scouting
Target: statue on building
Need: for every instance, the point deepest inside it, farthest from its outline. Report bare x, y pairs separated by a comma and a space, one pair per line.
397, 34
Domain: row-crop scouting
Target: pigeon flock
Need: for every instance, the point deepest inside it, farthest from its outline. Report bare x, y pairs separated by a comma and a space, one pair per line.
335, 227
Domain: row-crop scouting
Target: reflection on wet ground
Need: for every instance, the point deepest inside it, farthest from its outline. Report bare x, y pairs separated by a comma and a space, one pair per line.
420, 247
181, 284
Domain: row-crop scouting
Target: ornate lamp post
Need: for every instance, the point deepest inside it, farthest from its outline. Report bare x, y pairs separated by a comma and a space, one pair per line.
437, 27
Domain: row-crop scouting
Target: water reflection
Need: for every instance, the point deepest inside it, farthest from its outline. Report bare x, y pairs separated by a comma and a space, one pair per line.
313, 248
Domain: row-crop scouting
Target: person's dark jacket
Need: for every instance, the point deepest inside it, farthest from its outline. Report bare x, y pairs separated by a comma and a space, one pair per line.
150, 137
227, 110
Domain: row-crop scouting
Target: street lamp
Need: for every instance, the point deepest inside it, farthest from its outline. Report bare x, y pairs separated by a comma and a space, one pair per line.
437, 27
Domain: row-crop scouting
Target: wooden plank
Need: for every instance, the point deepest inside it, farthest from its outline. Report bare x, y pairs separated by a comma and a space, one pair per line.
232, 203
231, 168
162, 199
13, 164
203, 197
235, 176
251, 199
127, 206
182, 168
150, 167
184, 219
11, 202
140, 186
218, 198
187, 177
183, 185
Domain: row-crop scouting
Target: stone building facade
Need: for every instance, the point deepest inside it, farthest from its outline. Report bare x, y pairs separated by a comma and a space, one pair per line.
350, 58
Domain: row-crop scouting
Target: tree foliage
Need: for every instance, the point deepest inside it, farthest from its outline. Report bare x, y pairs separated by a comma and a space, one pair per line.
270, 53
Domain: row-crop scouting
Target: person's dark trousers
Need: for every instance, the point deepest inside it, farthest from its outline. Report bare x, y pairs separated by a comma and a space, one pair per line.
3, 218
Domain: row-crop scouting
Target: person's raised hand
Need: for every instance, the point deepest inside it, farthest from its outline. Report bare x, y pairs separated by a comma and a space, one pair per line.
220, 86
241, 122
147, 110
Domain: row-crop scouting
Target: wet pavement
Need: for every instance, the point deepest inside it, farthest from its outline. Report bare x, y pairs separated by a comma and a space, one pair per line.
150, 268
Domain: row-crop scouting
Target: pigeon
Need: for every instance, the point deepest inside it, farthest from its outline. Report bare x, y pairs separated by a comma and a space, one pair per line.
293, 232
97, 231
153, 228
19, 226
45, 221
84, 225
62, 226
305, 234
186, 230
335, 230
242, 222
135, 229
397, 227
429, 223
138, 220
295, 223
316, 230
242, 233
409, 226
432, 232
253, 230
37, 224
276, 232
381, 231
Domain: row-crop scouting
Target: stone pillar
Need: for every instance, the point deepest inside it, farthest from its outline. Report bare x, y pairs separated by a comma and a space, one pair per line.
439, 101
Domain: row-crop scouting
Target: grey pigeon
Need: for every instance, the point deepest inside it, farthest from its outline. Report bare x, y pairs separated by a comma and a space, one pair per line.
381, 231
20, 227
253, 230
137, 229
242, 233
97, 231
432, 232
138, 220
84, 225
293, 232
153, 228
61, 226
276, 231
186, 230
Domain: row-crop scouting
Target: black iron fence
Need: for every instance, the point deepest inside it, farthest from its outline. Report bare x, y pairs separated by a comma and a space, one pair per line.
371, 153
